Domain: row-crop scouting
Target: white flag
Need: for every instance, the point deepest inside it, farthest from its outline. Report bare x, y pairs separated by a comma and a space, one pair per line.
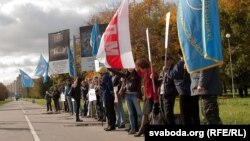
115, 47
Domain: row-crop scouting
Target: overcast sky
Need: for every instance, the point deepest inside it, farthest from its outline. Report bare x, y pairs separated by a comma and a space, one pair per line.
24, 28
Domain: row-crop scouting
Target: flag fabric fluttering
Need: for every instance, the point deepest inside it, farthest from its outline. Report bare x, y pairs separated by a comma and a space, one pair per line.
26, 79
42, 69
46, 76
115, 47
71, 63
199, 34
95, 39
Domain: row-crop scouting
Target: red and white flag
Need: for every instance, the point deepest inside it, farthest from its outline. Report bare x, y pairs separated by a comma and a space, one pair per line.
115, 47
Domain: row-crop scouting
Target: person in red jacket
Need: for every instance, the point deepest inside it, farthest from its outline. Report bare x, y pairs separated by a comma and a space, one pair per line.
150, 91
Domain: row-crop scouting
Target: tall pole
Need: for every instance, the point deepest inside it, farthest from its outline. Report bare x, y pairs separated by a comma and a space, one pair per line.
230, 57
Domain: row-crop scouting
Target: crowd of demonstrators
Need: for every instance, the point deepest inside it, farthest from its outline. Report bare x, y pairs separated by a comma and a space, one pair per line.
113, 86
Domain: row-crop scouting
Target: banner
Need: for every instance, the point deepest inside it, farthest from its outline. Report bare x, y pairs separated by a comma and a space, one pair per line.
26, 79
58, 44
95, 39
115, 47
199, 34
88, 60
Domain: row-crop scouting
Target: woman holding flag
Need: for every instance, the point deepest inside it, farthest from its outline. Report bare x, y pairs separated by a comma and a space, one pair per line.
150, 78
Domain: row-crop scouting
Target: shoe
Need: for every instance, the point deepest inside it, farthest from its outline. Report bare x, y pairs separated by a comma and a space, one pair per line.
138, 134
109, 128
121, 126
79, 120
131, 132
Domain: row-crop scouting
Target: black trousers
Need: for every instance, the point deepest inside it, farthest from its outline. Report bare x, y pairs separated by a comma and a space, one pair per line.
56, 103
189, 109
168, 106
110, 113
77, 108
49, 107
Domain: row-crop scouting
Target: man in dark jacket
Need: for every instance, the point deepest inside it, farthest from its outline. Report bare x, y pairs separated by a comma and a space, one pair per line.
77, 97
207, 85
189, 105
108, 98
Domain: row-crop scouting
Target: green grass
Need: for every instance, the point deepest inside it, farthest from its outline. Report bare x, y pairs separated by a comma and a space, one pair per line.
234, 110
5, 101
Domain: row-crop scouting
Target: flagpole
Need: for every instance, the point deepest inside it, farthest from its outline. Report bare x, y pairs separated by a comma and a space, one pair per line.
150, 60
166, 35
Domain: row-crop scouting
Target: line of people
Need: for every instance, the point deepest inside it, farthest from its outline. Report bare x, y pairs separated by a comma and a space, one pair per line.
159, 93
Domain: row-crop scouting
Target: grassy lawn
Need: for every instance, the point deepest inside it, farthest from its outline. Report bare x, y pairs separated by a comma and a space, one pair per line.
6, 101
235, 110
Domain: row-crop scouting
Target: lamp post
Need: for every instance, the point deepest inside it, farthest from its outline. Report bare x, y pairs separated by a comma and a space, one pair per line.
231, 68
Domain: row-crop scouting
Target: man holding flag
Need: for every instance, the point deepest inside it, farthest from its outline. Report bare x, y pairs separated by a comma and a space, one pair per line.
199, 35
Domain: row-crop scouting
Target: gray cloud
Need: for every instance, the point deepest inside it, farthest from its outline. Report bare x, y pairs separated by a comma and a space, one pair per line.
6, 20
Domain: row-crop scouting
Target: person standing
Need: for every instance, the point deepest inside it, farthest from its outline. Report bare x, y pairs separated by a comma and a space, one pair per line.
189, 105
77, 97
107, 91
207, 85
168, 93
48, 100
150, 78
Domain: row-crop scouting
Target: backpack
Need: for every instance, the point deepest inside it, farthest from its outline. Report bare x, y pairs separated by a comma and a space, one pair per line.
132, 83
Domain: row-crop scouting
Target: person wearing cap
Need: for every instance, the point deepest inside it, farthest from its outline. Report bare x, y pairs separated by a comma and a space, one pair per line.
107, 93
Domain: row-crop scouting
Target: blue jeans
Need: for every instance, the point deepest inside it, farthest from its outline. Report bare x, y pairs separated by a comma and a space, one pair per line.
120, 112
131, 100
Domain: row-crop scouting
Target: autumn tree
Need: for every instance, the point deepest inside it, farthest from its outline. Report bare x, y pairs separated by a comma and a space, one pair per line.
234, 18
3, 92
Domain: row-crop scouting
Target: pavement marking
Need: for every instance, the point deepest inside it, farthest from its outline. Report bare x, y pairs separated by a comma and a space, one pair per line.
33, 132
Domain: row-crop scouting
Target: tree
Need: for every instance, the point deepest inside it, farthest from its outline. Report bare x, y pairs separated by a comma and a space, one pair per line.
3, 92
235, 17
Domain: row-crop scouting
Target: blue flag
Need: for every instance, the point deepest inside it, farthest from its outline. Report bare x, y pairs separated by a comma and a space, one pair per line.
71, 63
95, 39
26, 79
46, 76
199, 34
41, 67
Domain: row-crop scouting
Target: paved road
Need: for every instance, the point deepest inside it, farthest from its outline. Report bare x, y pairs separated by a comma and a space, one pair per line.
25, 121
